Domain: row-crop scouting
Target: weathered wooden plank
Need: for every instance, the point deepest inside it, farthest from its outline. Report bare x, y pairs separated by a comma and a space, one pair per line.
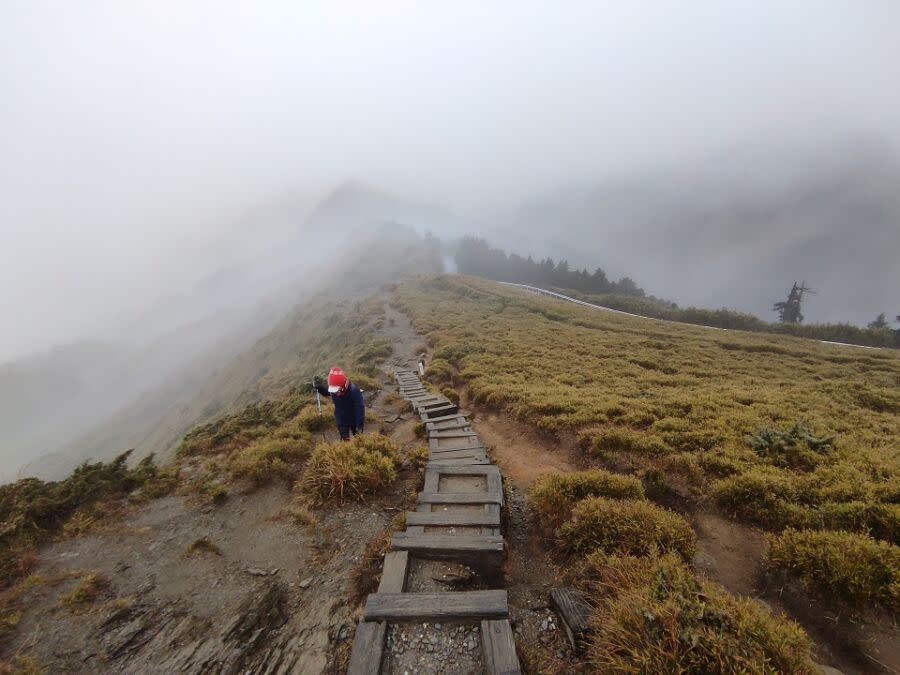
428, 405
575, 613
494, 511
453, 433
449, 543
394, 571
495, 485
368, 648
470, 471
448, 425
453, 518
436, 606
464, 453
465, 461
459, 498
463, 448
461, 413
437, 444
429, 413
499, 648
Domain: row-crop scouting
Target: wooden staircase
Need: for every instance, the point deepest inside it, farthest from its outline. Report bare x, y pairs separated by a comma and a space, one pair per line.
432, 532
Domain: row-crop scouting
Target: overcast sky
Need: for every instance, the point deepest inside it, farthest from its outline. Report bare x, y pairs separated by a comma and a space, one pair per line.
134, 133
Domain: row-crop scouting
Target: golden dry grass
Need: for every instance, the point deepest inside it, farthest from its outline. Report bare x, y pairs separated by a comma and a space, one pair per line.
683, 399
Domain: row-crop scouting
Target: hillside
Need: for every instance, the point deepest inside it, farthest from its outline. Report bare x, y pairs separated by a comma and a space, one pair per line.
171, 360
797, 438
649, 465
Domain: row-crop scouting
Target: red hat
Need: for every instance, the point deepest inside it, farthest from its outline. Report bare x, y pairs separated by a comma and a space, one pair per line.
337, 380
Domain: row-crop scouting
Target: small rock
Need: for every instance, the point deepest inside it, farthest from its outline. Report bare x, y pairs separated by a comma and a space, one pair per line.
306, 582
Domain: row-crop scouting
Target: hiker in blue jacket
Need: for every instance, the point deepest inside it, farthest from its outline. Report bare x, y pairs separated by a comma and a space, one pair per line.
349, 406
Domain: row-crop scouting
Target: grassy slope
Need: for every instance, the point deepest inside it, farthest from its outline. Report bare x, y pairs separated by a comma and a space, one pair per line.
681, 399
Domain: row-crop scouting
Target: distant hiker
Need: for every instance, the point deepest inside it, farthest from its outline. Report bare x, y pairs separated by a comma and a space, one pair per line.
349, 406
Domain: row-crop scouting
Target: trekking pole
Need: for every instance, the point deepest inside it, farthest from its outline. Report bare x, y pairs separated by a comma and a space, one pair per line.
318, 400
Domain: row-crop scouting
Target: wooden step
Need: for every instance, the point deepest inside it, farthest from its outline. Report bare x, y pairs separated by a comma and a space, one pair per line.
575, 613
461, 423
453, 433
452, 519
368, 648
469, 471
429, 413
460, 498
499, 648
438, 401
393, 572
465, 453
483, 552
464, 461
436, 606
440, 444
461, 414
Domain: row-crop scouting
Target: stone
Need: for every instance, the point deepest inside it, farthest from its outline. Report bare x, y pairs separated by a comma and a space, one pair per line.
306, 582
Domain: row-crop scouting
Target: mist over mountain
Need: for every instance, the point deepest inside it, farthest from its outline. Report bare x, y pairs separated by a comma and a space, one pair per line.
91, 400
737, 229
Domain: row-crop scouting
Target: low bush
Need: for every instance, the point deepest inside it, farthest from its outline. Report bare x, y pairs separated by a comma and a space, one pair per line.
268, 458
31, 510
628, 526
552, 495
654, 616
417, 456
623, 439
312, 421
451, 395
852, 566
795, 448
439, 372
350, 469
85, 591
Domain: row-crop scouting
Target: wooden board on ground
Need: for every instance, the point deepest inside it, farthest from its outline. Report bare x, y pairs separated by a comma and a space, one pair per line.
437, 444
449, 425
471, 471
430, 413
368, 648
461, 413
436, 606
393, 572
499, 648
575, 613
453, 433
453, 518
465, 461
465, 453
460, 498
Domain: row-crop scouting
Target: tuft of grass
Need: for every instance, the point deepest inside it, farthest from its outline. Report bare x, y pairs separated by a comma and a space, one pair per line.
85, 592
364, 577
350, 469
310, 419
622, 439
268, 458
203, 545
419, 429
654, 616
628, 526
552, 496
848, 565
417, 456
301, 513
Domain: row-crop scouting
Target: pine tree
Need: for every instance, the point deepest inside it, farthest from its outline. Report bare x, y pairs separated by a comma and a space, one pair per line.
789, 310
